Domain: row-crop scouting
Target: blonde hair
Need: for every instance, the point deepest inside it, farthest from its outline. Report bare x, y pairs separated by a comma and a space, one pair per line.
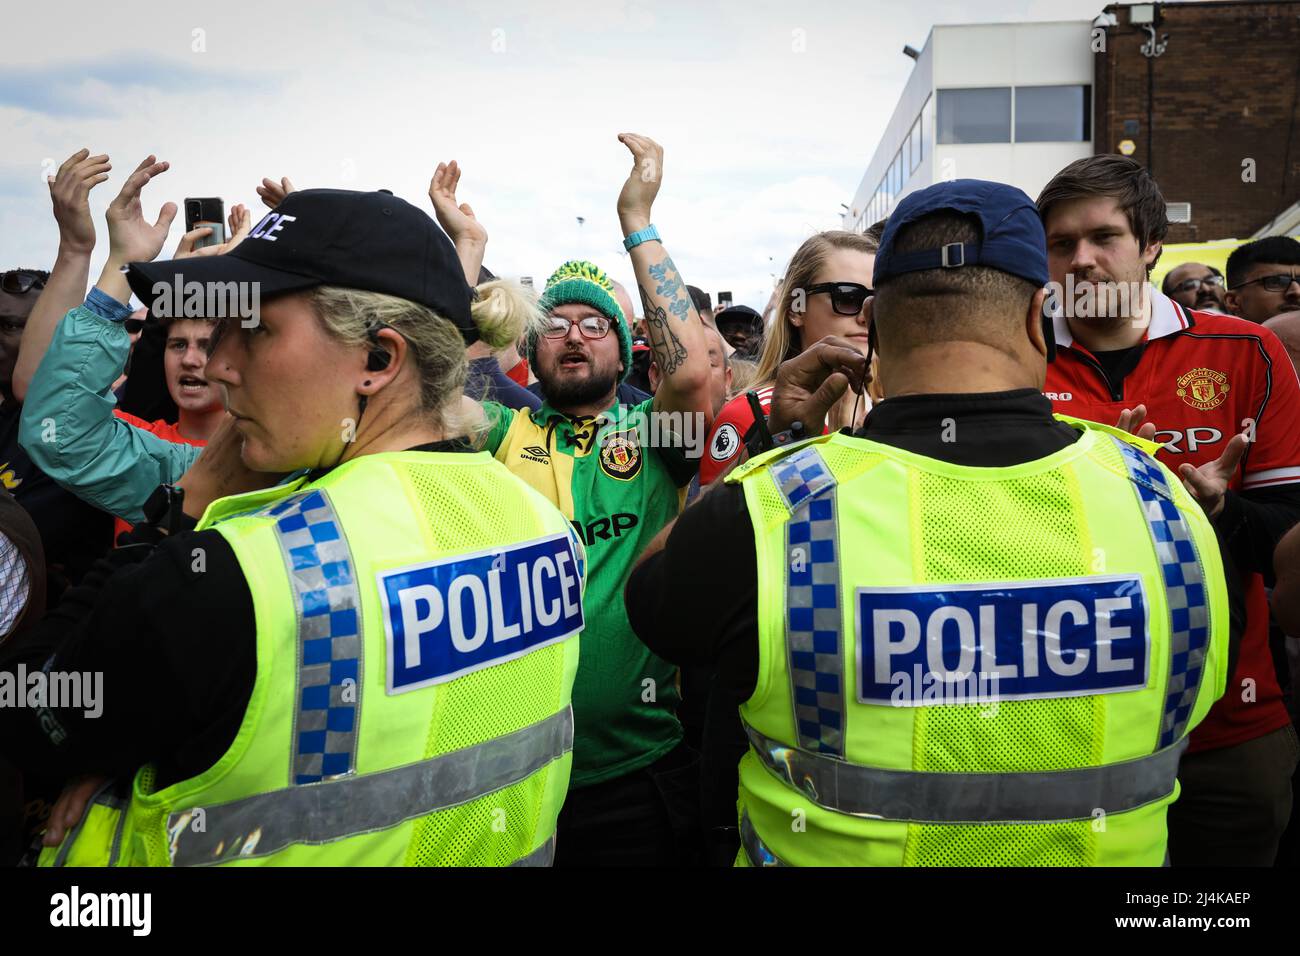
503, 311
781, 339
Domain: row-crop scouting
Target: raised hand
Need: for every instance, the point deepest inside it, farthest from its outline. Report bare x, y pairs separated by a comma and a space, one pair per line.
273, 193
642, 186
131, 238
70, 193
458, 221
1209, 483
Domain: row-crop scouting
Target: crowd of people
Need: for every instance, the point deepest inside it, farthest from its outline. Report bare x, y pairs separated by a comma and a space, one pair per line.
394, 561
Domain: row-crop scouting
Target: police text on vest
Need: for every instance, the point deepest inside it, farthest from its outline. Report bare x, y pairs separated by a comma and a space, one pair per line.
451, 617
1009, 640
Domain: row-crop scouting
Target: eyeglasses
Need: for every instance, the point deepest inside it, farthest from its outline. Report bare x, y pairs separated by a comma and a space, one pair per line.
846, 297
133, 325
1187, 285
591, 327
1274, 283
19, 282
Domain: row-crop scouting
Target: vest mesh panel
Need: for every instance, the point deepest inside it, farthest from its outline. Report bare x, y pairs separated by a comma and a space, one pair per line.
494, 829
149, 831
1032, 532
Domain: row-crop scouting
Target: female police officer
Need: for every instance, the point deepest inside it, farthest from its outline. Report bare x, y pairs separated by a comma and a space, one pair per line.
369, 663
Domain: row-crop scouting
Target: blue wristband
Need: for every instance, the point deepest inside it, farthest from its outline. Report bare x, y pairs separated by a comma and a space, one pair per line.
640, 236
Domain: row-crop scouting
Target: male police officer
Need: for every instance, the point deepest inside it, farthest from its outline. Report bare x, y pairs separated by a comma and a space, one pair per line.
972, 634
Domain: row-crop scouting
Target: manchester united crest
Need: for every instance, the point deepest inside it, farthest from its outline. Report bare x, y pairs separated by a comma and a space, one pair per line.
1203, 388
620, 457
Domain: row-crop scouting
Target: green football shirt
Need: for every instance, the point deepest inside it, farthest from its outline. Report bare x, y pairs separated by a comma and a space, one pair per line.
618, 494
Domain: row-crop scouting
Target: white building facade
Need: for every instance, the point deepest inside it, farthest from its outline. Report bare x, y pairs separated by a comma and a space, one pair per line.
1006, 102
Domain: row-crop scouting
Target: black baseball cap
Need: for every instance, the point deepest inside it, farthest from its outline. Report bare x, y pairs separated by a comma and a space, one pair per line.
738, 315
372, 241
1012, 239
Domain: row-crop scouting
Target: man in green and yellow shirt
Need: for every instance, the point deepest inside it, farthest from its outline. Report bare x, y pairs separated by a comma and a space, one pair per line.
618, 472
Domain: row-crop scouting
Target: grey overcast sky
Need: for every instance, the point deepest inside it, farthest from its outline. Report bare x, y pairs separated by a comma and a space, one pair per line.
768, 111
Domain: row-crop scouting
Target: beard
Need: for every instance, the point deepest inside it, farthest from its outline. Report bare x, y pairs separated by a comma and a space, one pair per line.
566, 393
566, 390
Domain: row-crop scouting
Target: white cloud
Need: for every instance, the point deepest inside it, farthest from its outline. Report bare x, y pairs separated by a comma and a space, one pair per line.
764, 140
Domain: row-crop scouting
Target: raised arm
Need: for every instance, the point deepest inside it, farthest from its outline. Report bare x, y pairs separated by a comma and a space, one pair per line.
673, 326
458, 220
69, 193
68, 427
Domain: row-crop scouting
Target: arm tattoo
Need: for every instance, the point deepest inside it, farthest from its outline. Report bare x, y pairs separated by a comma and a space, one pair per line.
668, 350
669, 285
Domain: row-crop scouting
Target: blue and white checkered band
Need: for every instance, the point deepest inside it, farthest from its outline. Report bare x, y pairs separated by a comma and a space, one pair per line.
1189, 610
812, 600
324, 583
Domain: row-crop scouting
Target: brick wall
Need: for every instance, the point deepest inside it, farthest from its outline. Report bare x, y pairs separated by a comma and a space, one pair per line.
1226, 89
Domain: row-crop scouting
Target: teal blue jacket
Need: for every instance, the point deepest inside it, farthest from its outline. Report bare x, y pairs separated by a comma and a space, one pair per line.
68, 427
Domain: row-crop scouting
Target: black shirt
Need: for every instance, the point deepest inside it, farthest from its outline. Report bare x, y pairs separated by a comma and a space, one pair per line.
175, 640
73, 534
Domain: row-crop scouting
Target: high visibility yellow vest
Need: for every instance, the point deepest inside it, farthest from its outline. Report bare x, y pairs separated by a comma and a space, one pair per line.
974, 666
417, 621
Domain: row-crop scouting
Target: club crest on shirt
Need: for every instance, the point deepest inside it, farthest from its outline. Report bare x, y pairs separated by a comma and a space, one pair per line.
1203, 388
620, 457
726, 441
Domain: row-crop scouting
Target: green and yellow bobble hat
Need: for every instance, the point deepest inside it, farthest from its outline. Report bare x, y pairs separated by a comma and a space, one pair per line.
581, 281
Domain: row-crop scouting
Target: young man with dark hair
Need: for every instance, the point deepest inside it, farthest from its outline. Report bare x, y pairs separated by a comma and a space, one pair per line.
1264, 278
1195, 286
1226, 402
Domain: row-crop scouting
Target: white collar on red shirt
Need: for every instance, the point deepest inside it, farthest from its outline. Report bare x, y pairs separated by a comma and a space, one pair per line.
1167, 317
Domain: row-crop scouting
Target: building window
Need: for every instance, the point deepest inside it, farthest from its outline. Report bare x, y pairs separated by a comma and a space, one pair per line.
1053, 114
914, 146
975, 115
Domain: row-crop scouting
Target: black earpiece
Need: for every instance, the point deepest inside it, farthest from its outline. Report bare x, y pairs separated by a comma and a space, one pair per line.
1049, 327
378, 360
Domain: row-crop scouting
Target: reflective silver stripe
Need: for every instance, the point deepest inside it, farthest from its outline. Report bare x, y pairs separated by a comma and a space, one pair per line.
1185, 589
812, 600
104, 797
923, 797
542, 856
321, 813
758, 853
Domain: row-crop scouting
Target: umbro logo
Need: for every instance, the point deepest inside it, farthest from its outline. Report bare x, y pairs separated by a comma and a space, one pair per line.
536, 453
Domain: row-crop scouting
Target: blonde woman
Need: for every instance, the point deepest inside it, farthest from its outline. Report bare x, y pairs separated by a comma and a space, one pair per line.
354, 666
824, 292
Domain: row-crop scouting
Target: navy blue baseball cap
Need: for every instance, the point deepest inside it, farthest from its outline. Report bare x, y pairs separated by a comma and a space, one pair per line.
1013, 240
372, 241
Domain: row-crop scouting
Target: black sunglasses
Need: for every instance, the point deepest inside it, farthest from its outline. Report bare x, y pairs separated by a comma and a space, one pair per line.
133, 325
1275, 283
19, 282
846, 297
